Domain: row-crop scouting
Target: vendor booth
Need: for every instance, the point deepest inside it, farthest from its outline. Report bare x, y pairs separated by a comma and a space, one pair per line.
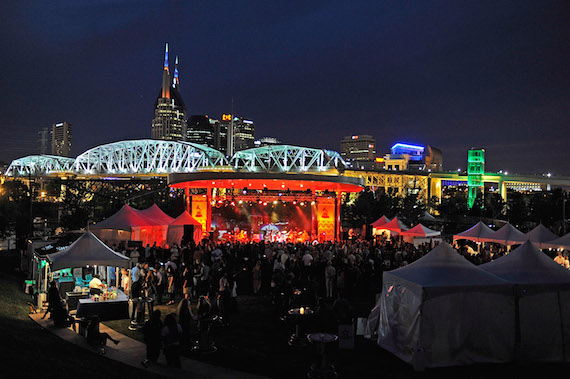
377, 226
88, 251
543, 302
442, 310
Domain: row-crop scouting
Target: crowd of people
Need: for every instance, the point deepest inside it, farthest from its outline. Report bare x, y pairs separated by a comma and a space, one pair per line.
205, 280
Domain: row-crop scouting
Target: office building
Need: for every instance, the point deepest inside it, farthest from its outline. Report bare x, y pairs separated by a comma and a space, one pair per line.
359, 151
406, 156
202, 130
61, 136
170, 121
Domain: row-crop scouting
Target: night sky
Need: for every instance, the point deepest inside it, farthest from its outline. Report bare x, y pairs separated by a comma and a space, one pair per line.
453, 74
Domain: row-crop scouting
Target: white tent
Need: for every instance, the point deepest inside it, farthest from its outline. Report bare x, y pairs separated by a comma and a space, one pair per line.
420, 234
508, 235
476, 233
176, 229
443, 311
559, 243
543, 300
427, 217
125, 225
87, 250
420, 231
540, 236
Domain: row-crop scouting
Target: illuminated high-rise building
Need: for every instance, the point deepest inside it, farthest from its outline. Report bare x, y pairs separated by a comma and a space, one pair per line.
201, 130
61, 134
169, 122
240, 129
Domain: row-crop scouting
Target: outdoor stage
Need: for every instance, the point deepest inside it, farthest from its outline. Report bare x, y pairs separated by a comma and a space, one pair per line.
284, 207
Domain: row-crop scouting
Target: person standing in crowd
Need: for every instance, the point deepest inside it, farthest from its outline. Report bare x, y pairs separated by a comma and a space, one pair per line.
171, 334
160, 284
150, 289
187, 282
53, 298
184, 315
171, 284
559, 259
204, 279
330, 276
134, 255
125, 281
152, 337
256, 274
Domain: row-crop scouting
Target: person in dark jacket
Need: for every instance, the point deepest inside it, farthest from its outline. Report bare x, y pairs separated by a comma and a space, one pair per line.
151, 331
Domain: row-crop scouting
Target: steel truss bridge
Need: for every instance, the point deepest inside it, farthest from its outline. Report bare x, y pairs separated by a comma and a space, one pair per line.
149, 157
140, 159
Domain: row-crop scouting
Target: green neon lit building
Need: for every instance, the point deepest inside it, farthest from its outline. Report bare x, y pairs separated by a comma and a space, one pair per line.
475, 172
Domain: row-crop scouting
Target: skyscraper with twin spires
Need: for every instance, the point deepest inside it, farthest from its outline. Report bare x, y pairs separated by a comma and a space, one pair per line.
170, 120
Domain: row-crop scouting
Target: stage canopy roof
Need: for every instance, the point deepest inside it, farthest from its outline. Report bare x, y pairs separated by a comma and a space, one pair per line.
267, 180
88, 250
476, 233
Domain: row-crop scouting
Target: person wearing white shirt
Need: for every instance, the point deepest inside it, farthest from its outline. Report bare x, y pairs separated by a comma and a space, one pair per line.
307, 259
95, 285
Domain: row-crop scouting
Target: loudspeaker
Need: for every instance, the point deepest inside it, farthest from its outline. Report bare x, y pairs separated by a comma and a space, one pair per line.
188, 234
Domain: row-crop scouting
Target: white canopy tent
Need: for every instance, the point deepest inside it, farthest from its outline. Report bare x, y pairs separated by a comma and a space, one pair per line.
87, 250
443, 311
559, 243
420, 231
476, 233
508, 235
176, 229
421, 234
543, 302
540, 236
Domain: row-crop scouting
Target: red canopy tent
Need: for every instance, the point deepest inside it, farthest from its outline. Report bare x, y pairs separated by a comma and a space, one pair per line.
395, 225
377, 225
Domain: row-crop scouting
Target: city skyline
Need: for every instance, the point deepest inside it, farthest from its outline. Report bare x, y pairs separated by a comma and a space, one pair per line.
454, 76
